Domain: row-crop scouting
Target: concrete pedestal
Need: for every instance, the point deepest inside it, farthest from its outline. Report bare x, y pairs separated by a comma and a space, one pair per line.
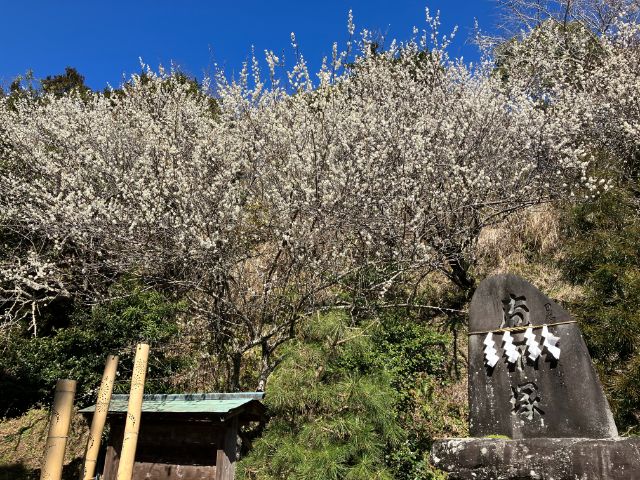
538, 458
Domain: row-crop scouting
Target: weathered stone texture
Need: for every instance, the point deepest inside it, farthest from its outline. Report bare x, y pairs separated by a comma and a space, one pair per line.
562, 398
538, 458
548, 404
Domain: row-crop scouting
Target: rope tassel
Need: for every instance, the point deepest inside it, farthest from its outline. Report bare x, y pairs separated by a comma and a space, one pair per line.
510, 350
532, 344
550, 341
489, 351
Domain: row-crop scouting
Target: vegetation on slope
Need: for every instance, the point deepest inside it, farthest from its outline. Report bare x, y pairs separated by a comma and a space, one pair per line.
603, 256
322, 242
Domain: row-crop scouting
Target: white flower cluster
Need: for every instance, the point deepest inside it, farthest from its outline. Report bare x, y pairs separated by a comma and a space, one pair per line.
532, 345
392, 163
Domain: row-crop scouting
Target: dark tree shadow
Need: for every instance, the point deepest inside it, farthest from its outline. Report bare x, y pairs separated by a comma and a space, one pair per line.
18, 471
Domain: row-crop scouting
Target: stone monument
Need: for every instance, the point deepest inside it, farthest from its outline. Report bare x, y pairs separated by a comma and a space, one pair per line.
536, 407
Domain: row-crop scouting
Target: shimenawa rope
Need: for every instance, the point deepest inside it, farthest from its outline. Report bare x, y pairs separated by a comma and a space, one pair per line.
521, 328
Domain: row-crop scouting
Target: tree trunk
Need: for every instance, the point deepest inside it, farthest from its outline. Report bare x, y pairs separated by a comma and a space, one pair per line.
235, 378
459, 274
265, 366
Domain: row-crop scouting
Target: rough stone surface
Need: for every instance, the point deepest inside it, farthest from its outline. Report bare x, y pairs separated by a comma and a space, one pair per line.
542, 398
538, 458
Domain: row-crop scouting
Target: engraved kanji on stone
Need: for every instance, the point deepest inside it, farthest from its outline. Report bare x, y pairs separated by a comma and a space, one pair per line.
525, 399
516, 311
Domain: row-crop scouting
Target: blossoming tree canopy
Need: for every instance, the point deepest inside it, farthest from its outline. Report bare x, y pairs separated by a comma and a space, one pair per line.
255, 211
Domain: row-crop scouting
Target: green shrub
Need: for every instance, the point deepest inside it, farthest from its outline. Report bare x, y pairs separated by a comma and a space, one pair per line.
332, 409
355, 400
31, 365
602, 253
429, 406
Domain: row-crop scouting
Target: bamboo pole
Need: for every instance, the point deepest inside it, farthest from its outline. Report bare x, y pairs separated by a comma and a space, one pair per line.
134, 412
59, 423
99, 417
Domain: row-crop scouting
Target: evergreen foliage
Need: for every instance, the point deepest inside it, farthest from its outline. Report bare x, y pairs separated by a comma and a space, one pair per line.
71, 81
418, 358
603, 255
30, 366
346, 401
332, 408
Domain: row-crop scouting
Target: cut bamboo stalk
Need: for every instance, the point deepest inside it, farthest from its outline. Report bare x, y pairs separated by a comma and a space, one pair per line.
134, 413
59, 423
99, 417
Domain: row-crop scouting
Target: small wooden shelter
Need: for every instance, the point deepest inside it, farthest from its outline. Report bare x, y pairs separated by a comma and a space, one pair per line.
185, 437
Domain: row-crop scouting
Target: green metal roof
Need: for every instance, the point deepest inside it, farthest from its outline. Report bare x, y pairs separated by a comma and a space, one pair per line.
212, 403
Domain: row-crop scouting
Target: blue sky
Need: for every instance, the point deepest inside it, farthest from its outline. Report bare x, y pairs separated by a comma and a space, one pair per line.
104, 40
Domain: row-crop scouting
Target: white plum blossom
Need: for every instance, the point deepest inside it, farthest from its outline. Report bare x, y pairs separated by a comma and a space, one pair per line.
286, 196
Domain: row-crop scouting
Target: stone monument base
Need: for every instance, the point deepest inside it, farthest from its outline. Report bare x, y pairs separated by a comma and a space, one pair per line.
538, 458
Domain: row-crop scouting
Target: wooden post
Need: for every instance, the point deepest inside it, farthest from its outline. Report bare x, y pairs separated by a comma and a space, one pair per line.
59, 423
226, 459
99, 417
134, 413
